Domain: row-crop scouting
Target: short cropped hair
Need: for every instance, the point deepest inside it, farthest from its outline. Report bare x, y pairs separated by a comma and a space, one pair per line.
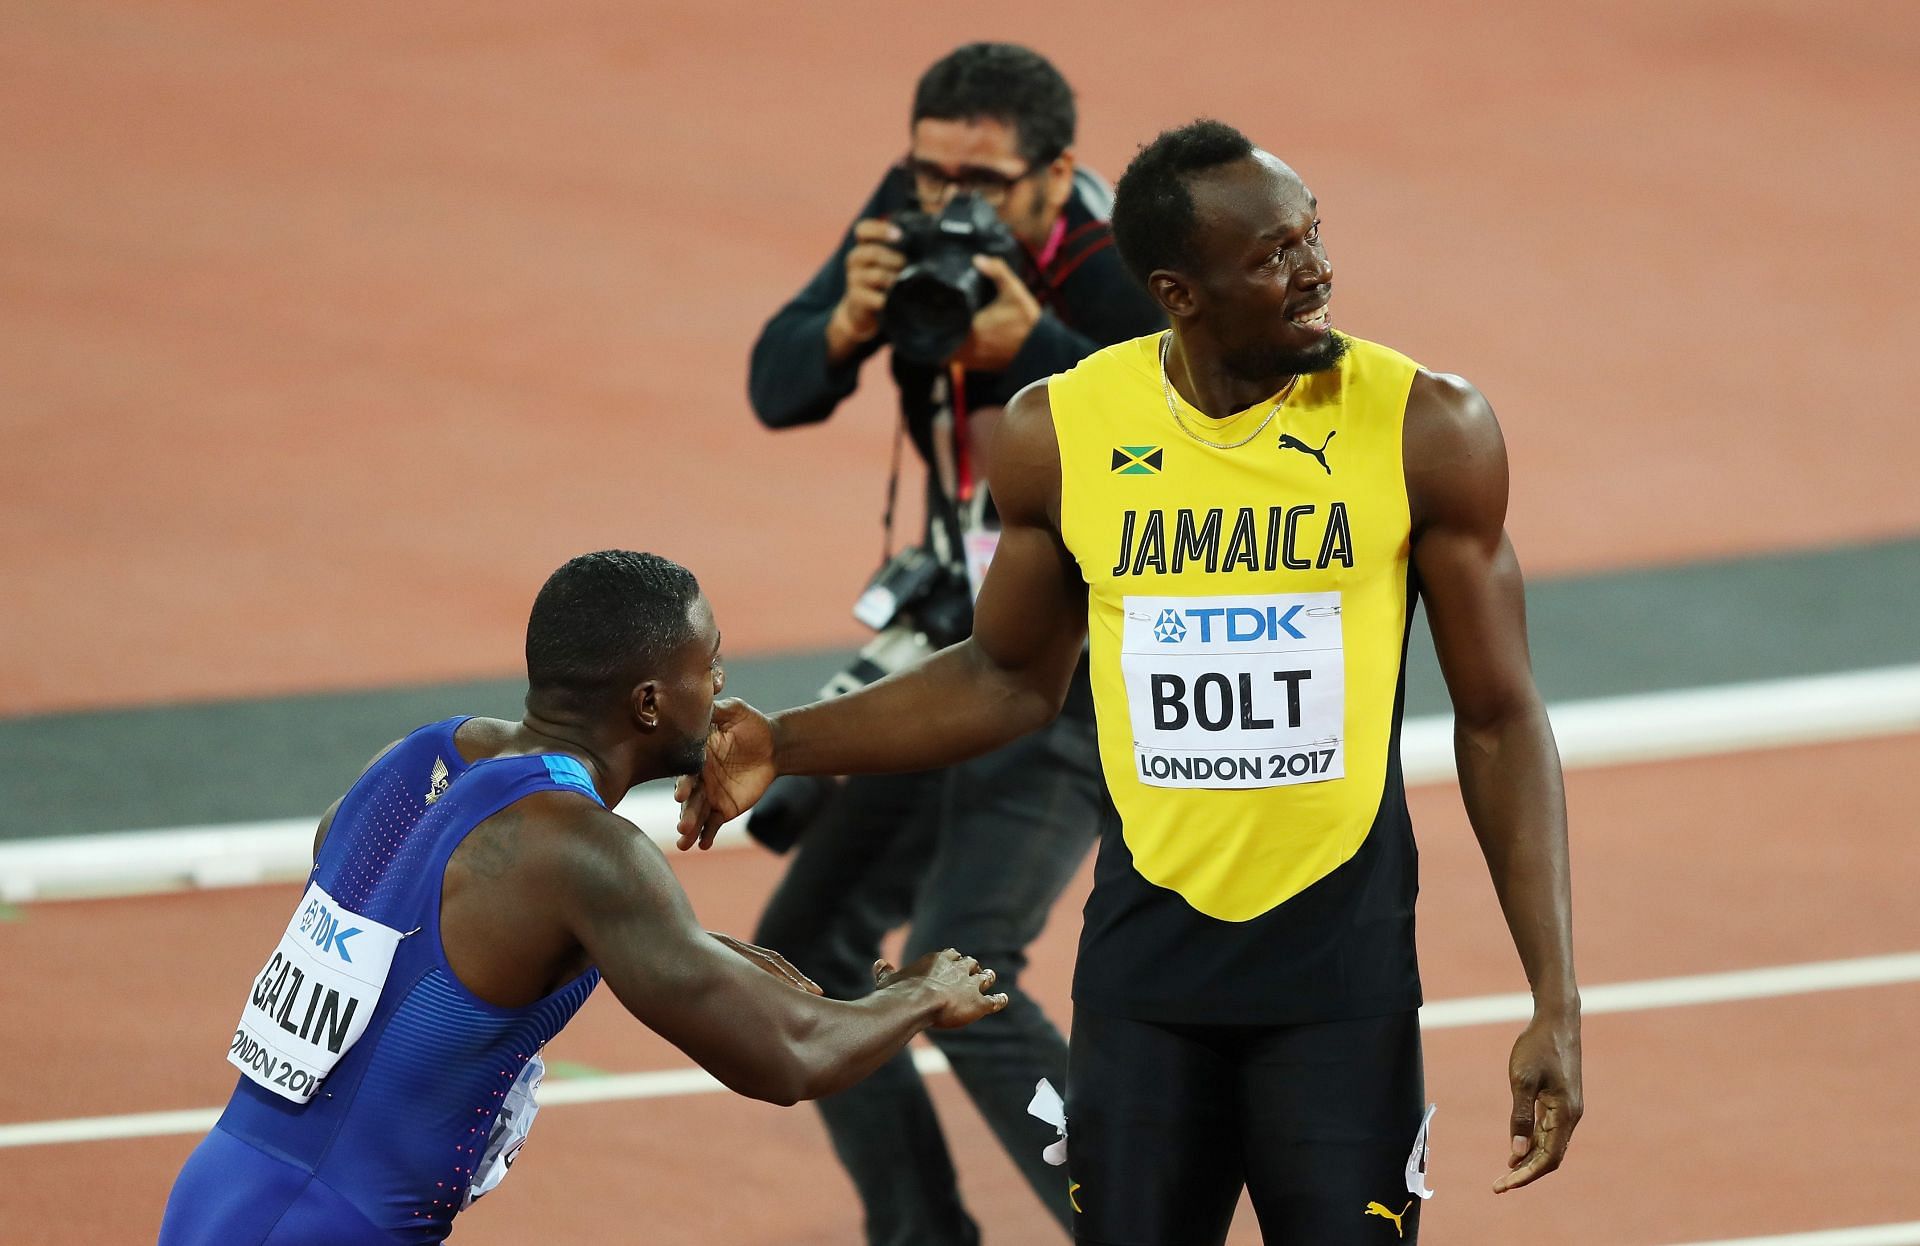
1153, 205
608, 619
1008, 83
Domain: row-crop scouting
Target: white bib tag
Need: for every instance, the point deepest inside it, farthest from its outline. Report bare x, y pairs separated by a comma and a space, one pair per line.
1048, 1106
315, 997
1235, 692
1417, 1158
509, 1132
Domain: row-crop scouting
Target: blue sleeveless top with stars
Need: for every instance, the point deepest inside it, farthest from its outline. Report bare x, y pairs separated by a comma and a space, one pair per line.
404, 1118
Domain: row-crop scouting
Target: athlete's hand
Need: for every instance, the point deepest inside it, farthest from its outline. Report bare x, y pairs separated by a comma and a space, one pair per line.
872, 265
771, 961
1000, 328
738, 768
1545, 1072
960, 983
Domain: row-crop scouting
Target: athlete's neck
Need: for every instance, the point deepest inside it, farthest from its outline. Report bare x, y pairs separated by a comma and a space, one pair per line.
1199, 375
614, 773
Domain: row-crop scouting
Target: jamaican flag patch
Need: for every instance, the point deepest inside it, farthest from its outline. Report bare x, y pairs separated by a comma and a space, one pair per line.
1136, 460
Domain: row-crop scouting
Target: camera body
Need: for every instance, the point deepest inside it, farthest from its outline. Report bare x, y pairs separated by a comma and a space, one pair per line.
918, 606
930, 309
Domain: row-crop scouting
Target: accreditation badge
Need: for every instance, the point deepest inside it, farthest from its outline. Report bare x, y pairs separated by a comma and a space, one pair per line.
980, 545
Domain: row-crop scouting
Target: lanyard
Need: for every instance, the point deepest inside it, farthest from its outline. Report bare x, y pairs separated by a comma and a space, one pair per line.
957, 379
962, 447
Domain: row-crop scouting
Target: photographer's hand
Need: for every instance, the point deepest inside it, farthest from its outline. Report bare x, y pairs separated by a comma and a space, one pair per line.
1001, 327
872, 265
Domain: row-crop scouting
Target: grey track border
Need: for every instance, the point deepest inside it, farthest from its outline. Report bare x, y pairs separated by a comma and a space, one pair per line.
1645, 630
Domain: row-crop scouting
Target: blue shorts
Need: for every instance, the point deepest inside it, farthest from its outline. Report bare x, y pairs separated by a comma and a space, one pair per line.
233, 1194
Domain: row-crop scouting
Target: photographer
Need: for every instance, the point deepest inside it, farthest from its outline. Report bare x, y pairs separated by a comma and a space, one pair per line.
984, 260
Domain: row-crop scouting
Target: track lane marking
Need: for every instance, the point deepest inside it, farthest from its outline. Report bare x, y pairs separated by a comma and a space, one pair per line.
1654, 993
1604, 731
1907, 1234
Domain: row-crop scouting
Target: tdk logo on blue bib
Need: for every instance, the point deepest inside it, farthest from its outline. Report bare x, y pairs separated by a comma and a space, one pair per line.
1230, 624
320, 925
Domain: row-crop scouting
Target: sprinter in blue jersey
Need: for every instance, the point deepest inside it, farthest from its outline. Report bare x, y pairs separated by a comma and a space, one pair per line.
468, 892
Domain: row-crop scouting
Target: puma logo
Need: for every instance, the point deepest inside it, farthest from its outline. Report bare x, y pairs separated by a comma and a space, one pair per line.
1289, 442
1375, 1209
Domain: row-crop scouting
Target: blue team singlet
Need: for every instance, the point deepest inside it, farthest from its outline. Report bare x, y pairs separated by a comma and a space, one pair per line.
368, 1104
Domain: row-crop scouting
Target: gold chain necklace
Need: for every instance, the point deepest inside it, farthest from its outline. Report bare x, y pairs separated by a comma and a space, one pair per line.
1166, 384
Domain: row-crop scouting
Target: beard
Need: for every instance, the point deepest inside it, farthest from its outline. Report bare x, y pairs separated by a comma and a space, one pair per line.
1265, 361
689, 756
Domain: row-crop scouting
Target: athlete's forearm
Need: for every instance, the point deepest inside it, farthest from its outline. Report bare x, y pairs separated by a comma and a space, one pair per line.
846, 1042
765, 1038
1511, 783
955, 705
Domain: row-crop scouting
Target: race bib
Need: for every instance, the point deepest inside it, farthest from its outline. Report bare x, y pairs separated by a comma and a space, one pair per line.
315, 997
1235, 692
509, 1132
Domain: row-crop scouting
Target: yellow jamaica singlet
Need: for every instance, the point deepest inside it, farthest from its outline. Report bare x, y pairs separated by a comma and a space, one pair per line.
1247, 611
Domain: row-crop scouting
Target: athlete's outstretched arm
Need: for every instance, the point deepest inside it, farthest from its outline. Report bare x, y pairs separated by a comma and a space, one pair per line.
1456, 465
760, 1033
1010, 677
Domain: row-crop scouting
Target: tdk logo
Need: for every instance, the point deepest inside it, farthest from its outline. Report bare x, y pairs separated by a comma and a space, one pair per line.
1232, 624
320, 925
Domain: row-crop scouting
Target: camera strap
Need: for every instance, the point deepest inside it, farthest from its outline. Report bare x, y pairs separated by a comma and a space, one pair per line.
1075, 248
951, 465
943, 504
893, 494
975, 540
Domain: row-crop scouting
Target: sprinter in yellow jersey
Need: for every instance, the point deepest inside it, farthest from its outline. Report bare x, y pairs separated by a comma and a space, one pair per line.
1238, 516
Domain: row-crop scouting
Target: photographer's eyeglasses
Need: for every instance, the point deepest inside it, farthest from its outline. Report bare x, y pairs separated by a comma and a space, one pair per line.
933, 183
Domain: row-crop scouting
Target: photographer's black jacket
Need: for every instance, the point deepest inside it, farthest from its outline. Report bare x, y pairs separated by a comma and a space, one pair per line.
1087, 299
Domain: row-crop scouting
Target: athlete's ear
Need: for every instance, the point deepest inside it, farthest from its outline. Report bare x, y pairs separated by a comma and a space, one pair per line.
1175, 294
645, 704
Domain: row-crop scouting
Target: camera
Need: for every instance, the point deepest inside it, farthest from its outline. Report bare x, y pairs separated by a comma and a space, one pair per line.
918, 606
930, 309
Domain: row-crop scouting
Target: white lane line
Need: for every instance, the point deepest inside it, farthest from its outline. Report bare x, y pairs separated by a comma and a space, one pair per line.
1711, 988
103, 1128
1867, 1235
659, 1085
241, 854
1601, 732
1694, 722
1706, 988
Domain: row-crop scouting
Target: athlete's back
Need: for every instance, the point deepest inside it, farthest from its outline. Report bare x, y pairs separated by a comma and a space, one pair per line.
373, 1080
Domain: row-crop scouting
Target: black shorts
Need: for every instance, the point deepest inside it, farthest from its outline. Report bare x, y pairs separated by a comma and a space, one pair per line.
1166, 1124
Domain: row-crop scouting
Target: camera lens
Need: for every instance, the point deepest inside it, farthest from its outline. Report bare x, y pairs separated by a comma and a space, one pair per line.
930, 309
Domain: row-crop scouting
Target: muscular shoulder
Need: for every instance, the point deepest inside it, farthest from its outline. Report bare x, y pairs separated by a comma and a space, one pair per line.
1024, 459
550, 844
1455, 455
575, 828
600, 864
1447, 417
